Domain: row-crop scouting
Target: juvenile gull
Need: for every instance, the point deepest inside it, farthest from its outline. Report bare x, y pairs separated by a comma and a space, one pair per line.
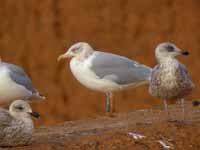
15, 84
170, 79
16, 125
105, 72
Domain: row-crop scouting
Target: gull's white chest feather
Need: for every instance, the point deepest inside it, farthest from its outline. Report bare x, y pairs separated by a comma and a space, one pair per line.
9, 90
168, 75
85, 76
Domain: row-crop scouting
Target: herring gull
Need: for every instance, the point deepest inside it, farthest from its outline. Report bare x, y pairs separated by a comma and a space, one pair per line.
170, 78
15, 84
105, 72
16, 125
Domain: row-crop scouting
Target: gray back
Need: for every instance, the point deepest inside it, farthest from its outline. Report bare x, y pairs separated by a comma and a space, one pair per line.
19, 76
119, 69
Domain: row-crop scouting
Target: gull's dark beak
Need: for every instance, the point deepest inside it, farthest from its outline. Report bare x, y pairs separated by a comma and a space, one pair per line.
35, 114
185, 53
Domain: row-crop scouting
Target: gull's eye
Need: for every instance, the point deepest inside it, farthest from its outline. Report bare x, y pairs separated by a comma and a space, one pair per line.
76, 50
170, 48
20, 107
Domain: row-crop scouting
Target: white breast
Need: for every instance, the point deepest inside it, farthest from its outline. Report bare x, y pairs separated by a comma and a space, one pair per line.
169, 75
85, 76
9, 90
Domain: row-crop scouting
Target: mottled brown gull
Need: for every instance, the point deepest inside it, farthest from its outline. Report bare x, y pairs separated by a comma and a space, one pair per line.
15, 84
170, 78
16, 126
105, 72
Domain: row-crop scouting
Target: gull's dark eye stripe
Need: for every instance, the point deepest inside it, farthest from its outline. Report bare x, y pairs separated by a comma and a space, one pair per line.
170, 48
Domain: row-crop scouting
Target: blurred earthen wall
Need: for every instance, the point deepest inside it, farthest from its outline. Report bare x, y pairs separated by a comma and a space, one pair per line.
34, 32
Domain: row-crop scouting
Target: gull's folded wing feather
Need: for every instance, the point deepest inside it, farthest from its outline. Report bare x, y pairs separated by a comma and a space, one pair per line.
19, 76
5, 121
118, 69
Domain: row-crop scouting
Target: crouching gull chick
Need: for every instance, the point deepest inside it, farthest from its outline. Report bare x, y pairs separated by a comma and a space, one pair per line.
170, 79
16, 125
15, 84
105, 72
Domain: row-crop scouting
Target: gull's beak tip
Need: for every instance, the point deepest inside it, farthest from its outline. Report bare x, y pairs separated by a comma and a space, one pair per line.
185, 53
60, 58
66, 55
35, 114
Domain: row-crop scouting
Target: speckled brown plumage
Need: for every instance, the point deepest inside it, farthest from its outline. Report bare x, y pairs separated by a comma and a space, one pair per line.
14, 132
16, 126
170, 80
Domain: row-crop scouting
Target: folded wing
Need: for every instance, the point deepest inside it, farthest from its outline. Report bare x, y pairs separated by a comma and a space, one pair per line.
119, 69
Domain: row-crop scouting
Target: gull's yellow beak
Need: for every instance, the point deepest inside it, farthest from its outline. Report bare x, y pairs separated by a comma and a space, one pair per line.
60, 57
66, 55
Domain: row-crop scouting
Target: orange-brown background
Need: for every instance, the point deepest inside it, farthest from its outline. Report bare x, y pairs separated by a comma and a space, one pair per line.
34, 32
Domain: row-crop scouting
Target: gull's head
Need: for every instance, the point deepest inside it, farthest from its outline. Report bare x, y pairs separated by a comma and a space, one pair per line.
76, 50
22, 110
168, 50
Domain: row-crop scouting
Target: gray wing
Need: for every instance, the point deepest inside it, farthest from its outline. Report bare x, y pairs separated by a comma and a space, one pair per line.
183, 69
18, 75
5, 121
155, 71
118, 69
155, 77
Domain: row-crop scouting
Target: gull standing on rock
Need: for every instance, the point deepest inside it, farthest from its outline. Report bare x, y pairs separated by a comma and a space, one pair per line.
16, 126
105, 72
170, 79
15, 84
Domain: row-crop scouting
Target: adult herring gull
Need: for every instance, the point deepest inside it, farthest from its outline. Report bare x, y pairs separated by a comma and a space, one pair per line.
105, 72
15, 84
16, 125
170, 79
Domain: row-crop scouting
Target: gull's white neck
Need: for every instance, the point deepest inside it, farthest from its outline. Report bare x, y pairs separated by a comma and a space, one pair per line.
163, 60
21, 117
